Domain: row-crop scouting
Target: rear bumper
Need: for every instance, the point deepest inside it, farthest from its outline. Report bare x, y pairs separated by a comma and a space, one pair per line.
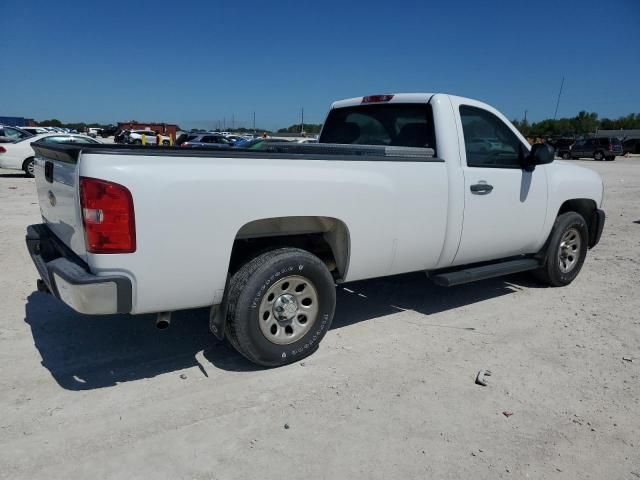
596, 227
68, 278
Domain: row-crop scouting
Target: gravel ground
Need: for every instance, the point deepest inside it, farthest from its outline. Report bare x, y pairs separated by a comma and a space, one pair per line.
390, 393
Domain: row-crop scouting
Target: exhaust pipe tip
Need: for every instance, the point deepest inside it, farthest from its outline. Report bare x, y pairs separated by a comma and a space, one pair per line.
163, 321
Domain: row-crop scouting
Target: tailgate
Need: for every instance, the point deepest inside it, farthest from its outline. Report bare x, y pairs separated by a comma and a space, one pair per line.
56, 174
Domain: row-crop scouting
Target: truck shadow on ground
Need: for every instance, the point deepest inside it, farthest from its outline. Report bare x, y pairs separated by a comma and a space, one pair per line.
88, 352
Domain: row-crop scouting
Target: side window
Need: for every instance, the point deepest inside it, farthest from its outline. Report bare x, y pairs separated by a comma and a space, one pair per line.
82, 140
55, 139
488, 141
14, 133
208, 139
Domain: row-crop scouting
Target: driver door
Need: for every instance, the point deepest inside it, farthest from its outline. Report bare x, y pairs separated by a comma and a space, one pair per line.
504, 206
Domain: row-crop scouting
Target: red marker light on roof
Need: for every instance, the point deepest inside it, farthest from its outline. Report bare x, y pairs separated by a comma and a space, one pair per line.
376, 98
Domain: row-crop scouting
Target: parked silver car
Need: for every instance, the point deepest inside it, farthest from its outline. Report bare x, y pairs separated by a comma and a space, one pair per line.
207, 140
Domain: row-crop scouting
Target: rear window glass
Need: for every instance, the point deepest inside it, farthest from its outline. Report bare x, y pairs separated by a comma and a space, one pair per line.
393, 124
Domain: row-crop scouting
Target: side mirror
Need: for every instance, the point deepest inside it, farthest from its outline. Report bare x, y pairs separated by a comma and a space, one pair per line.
540, 154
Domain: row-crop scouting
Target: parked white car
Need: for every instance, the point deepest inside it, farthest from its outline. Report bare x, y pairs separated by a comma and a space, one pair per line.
395, 185
19, 155
135, 138
35, 130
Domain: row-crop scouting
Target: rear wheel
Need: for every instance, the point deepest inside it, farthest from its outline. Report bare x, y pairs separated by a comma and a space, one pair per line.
28, 167
566, 250
280, 306
566, 156
598, 155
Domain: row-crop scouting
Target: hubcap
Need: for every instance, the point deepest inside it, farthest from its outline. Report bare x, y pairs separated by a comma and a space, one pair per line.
30, 168
288, 310
569, 250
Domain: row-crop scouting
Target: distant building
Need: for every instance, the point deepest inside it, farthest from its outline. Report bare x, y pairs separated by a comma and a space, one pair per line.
17, 121
164, 128
621, 134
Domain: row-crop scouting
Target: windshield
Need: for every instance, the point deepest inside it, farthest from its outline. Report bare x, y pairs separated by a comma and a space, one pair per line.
394, 124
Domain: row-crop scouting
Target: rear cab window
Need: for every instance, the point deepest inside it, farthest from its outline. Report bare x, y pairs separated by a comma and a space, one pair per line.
390, 124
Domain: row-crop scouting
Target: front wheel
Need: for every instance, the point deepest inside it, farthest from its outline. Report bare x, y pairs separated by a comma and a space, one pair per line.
598, 156
280, 306
28, 168
566, 250
566, 156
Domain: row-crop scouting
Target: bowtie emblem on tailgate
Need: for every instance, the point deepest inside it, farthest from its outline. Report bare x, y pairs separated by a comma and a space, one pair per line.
52, 199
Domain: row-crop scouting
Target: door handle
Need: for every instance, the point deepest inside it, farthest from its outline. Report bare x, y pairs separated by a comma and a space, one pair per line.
481, 188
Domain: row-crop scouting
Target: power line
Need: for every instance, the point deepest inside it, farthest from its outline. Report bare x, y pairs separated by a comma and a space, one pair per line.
558, 102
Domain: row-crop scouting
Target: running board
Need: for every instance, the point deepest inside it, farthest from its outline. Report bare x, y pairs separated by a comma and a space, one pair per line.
472, 274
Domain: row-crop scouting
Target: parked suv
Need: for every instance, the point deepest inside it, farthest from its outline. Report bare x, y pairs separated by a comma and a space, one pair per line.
563, 147
605, 148
631, 145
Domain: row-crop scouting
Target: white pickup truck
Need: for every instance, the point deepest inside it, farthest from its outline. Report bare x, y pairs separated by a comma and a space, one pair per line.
398, 183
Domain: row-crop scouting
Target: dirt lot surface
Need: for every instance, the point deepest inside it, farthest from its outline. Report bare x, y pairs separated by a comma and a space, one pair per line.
389, 395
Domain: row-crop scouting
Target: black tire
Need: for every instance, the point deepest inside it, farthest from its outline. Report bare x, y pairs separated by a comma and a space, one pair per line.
27, 167
250, 284
566, 156
137, 142
551, 273
598, 155
165, 143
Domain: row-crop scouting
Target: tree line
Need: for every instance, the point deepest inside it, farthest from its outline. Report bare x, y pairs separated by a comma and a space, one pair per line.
298, 127
582, 124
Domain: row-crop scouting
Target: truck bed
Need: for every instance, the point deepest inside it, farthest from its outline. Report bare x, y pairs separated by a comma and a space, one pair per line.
191, 203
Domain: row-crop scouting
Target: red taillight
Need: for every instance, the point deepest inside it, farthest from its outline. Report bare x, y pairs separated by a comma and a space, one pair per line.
376, 98
183, 144
3, 150
107, 215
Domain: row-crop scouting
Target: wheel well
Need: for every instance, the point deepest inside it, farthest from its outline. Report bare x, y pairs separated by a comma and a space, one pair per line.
584, 207
26, 160
325, 237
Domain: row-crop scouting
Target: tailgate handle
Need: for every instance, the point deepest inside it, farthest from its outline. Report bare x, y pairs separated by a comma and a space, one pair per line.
48, 171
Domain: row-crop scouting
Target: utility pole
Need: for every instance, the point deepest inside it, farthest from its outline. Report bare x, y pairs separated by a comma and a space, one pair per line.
558, 102
525, 116
233, 121
302, 121
254, 122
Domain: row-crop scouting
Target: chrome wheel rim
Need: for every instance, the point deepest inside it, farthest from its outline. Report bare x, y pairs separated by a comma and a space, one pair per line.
30, 168
569, 250
288, 310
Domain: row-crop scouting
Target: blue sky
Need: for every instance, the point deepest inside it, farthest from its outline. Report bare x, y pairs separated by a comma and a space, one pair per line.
196, 63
